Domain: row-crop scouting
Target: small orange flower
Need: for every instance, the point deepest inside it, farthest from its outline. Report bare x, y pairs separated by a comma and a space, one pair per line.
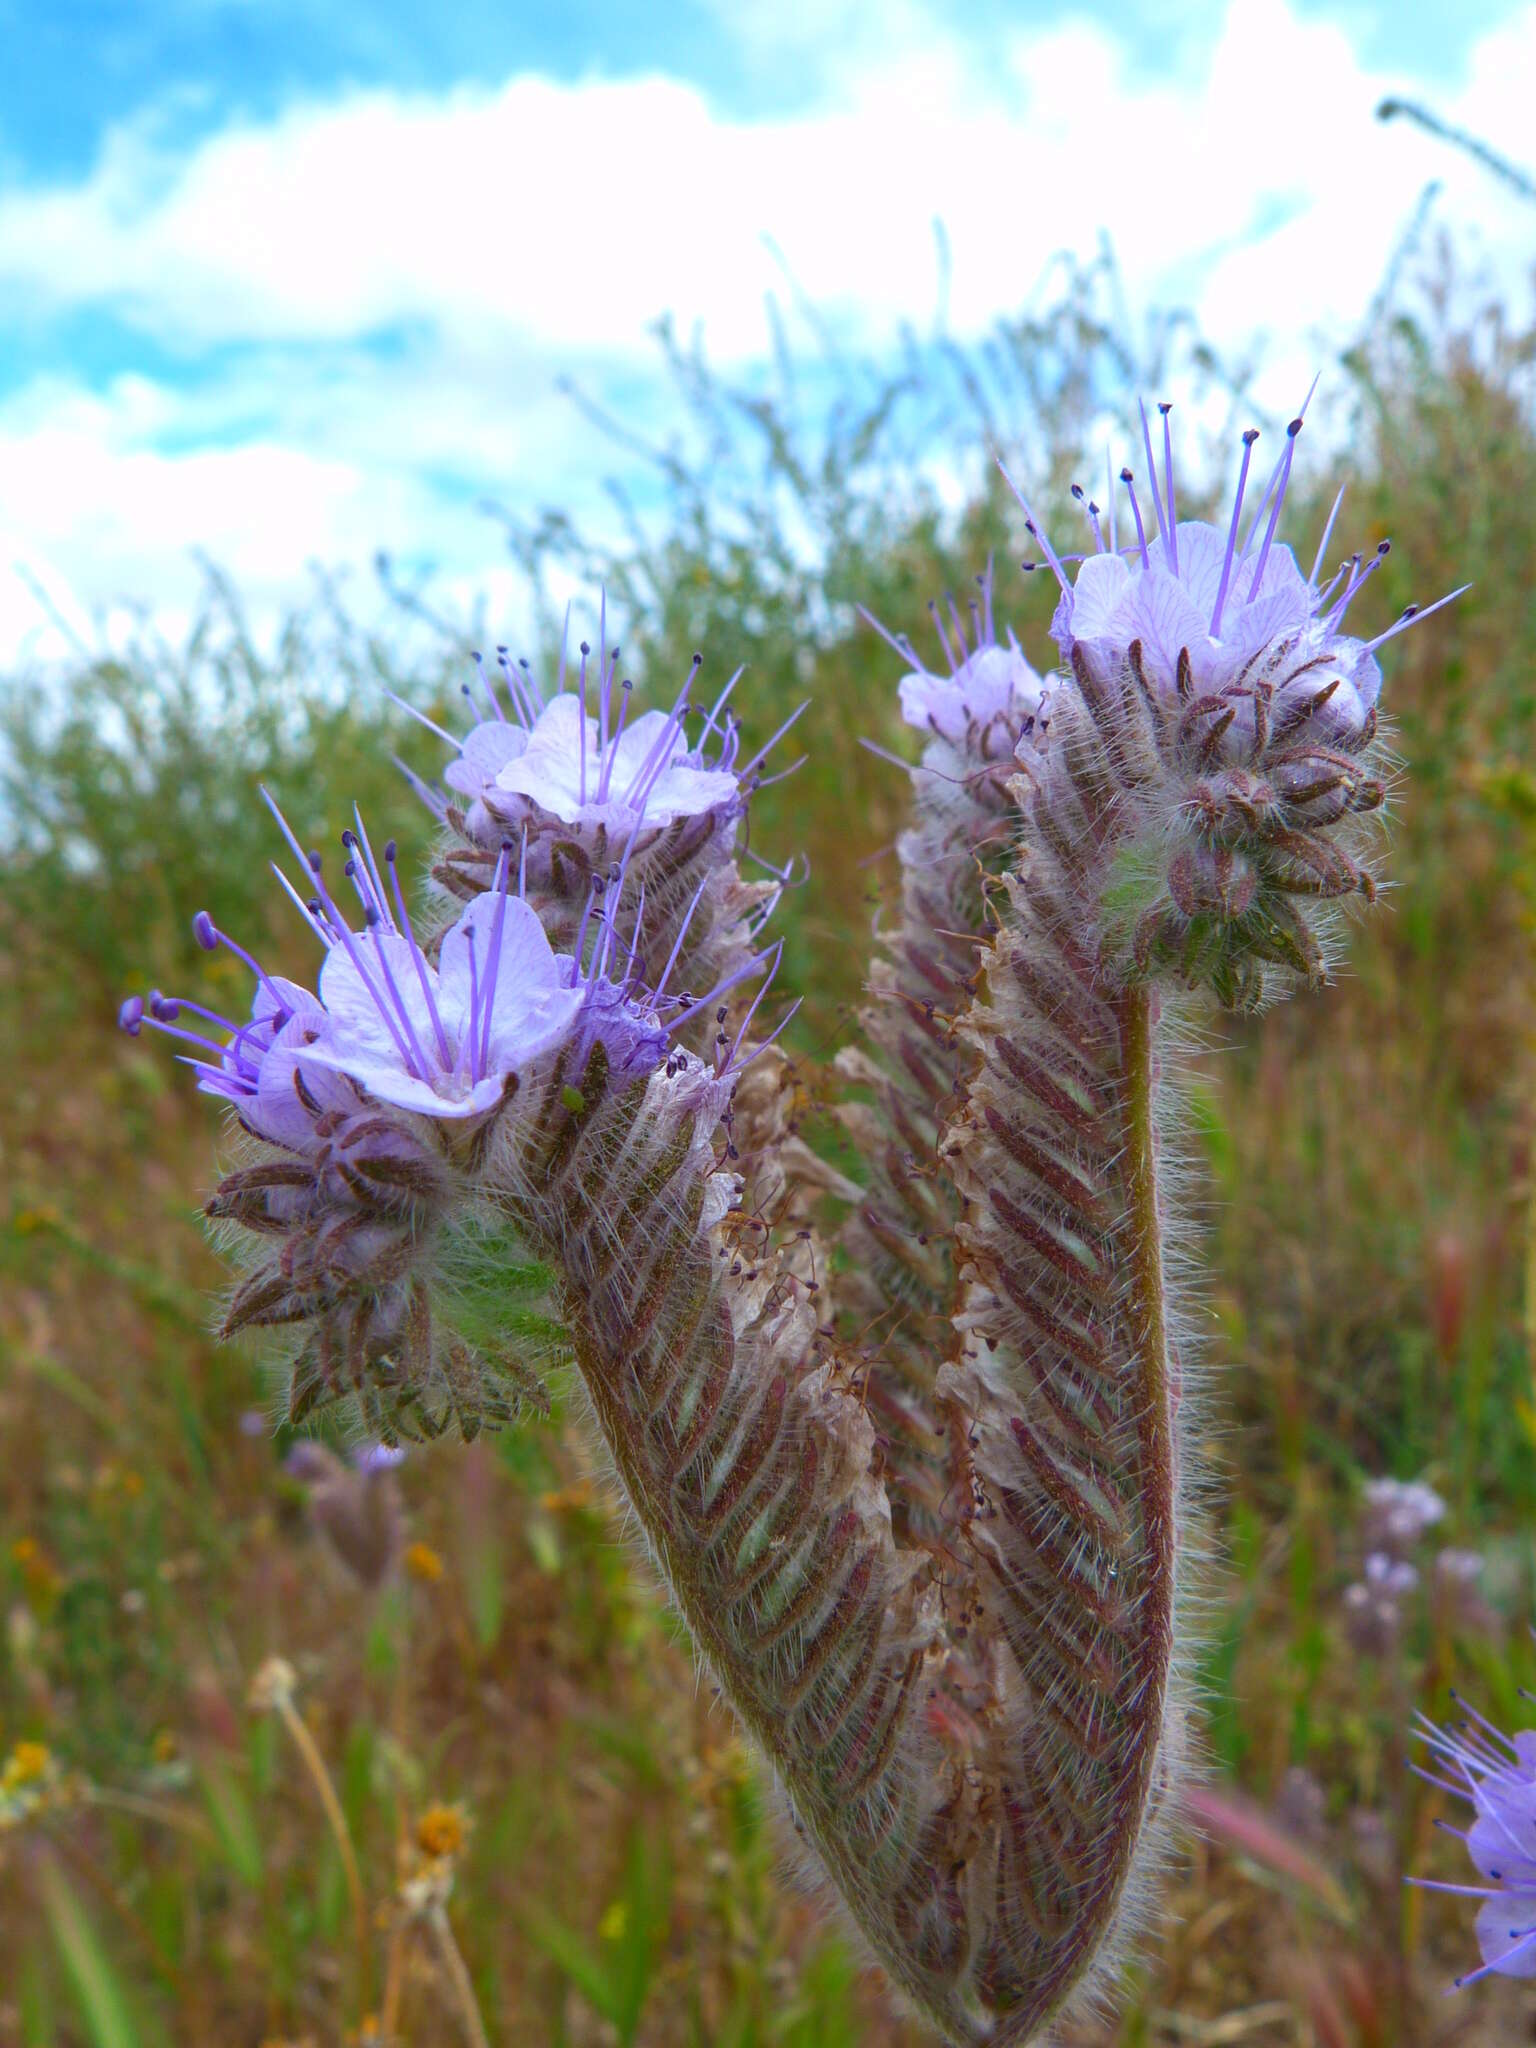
423, 1563
27, 1762
440, 1832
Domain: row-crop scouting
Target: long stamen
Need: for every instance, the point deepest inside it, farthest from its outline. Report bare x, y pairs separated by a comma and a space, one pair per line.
762, 753
1322, 546
1164, 407
1414, 615
720, 703
1249, 438
1109, 495
582, 723
208, 936
307, 911
677, 944
1146, 442
346, 939
485, 683
661, 750
604, 677
1141, 533
468, 1043
373, 866
434, 799
1357, 583
1092, 512
938, 627
626, 691
422, 1066
1035, 529
391, 862
1284, 474
421, 718
517, 690
493, 966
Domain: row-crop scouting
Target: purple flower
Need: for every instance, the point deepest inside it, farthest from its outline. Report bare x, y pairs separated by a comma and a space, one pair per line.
987, 700
1399, 1513
1233, 604
579, 759
1496, 1774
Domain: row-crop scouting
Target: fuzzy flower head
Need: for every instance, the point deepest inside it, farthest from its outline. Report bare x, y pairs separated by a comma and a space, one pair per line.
575, 758
985, 702
1213, 606
444, 1041
1496, 1774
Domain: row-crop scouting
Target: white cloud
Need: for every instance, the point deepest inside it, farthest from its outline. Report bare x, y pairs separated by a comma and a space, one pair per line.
515, 232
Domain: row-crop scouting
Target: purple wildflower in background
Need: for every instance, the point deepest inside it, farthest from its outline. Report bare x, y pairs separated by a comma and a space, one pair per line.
1496, 1773
1211, 606
1399, 1513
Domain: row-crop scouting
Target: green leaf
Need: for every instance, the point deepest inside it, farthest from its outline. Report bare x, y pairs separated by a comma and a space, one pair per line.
103, 2002
233, 1823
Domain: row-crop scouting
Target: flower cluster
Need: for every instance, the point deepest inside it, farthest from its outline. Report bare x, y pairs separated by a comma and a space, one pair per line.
374, 1099
1230, 725
590, 794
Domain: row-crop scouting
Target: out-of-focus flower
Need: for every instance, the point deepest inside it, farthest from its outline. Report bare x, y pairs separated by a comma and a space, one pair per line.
1373, 1615
1496, 1774
441, 1831
32, 1781
1464, 1608
356, 1506
423, 1563
1399, 1514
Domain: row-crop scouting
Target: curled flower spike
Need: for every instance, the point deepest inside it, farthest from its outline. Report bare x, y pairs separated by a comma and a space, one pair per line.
1496, 1774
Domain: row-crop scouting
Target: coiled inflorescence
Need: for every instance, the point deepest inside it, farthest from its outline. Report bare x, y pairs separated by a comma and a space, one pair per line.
928, 1519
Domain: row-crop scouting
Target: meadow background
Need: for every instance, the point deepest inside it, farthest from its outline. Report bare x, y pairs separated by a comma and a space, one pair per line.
486, 1691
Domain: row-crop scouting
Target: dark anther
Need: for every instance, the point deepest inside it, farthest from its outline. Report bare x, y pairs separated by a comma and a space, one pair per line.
389, 849
1250, 435
585, 648
1127, 476
1165, 406
1294, 428
1077, 492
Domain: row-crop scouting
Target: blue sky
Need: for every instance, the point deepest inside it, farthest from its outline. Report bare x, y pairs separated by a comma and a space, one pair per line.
288, 281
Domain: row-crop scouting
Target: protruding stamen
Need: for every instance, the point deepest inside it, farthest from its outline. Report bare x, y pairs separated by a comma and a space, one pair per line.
209, 937
404, 921
1033, 527
1322, 546
1146, 442
1165, 407
1249, 438
493, 965
938, 627
765, 750
1414, 615
1356, 584
1141, 533
1283, 474
485, 683
582, 724
1091, 510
